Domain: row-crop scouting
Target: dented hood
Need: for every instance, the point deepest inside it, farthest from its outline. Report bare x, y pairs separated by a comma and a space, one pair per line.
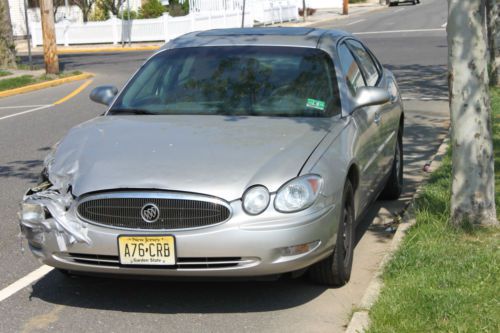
214, 155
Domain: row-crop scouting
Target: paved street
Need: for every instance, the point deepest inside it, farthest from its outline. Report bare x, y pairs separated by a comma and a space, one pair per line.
410, 40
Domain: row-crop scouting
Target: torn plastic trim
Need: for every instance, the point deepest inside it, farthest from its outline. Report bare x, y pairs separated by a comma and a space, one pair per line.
59, 207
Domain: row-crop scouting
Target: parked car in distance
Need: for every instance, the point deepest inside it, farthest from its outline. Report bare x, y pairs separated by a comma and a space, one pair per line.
397, 2
230, 153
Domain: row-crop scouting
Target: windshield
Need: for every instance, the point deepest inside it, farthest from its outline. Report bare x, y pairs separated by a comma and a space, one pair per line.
235, 81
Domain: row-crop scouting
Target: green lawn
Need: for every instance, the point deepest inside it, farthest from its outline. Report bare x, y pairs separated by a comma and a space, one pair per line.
443, 279
21, 81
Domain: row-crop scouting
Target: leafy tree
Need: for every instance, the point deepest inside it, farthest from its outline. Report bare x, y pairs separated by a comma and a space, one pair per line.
7, 47
112, 6
151, 9
473, 188
85, 6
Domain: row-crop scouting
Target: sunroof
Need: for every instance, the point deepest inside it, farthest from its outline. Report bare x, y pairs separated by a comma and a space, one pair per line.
257, 31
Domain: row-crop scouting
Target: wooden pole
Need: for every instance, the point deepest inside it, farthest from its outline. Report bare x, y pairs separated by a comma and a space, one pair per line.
345, 7
49, 37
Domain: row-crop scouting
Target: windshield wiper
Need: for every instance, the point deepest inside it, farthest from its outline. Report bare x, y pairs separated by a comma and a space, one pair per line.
130, 111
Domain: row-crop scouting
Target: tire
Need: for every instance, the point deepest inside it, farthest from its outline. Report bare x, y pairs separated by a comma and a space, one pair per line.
414, 2
394, 185
335, 271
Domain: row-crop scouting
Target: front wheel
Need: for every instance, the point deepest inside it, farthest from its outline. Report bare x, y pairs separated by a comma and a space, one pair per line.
335, 270
394, 185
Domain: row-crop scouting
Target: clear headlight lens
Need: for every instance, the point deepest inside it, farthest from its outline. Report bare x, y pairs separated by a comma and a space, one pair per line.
298, 194
32, 212
255, 200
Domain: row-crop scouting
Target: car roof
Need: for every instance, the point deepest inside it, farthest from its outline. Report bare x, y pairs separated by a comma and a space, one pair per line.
276, 36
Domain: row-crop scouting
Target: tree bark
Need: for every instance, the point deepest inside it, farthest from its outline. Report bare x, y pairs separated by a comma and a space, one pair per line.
7, 46
491, 20
49, 37
473, 187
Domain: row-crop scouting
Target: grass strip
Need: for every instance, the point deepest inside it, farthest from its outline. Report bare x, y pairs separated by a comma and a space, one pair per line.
4, 73
443, 279
24, 80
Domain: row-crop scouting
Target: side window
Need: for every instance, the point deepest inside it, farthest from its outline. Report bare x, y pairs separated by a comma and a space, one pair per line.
366, 62
350, 69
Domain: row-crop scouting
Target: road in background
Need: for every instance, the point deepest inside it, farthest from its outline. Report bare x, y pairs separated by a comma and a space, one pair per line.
58, 303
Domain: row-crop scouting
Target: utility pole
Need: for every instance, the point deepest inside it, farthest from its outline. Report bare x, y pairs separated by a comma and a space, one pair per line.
345, 7
304, 10
28, 34
49, 37
243, 14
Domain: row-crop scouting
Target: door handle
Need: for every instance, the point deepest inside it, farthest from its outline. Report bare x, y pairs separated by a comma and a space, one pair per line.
377, 118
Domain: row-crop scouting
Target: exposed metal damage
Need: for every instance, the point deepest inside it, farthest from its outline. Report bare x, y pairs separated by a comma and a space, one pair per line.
48, 207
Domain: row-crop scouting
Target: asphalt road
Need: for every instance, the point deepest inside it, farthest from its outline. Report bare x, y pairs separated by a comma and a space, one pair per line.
408, 39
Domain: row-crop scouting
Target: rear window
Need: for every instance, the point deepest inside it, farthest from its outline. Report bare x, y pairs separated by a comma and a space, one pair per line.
240, 81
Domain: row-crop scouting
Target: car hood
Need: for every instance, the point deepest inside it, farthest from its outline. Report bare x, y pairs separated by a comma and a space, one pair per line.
213, 155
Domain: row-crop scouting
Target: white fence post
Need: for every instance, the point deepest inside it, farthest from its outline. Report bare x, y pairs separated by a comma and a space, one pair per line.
165, 26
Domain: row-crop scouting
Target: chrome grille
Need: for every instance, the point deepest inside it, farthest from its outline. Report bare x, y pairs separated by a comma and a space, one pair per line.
177, 211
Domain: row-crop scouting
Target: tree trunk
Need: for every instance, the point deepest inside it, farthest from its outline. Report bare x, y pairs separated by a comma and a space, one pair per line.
49, 37
473, 188
345, 7
7, 47
491, 20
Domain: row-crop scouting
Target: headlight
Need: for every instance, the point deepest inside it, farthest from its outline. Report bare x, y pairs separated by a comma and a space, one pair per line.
255, 200
298, 194
32, 212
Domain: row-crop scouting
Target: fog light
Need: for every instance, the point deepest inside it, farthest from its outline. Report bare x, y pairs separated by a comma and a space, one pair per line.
299, 249
32, 212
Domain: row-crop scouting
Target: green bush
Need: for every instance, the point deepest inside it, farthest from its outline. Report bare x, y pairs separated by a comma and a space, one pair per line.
151, 9
99, 13
133, 15
177, 9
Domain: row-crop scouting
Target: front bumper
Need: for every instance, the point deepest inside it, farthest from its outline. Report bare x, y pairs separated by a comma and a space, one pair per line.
244, 246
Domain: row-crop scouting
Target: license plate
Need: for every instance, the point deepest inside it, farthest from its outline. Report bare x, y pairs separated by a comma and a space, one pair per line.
147, 250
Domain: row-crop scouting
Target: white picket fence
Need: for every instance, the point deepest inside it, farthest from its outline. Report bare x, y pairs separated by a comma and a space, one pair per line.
166, 27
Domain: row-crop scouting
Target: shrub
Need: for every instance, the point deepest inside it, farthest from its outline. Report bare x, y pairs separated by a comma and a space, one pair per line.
133, 15
151, 9
99, 13
177, 9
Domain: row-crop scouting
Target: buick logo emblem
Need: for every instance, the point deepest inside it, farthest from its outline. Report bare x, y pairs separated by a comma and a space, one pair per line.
150, 213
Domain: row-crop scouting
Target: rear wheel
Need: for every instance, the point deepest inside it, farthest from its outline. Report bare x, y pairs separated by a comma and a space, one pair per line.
336, 269
394, 185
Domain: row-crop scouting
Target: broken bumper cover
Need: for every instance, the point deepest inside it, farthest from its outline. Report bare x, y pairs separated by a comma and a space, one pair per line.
241, 247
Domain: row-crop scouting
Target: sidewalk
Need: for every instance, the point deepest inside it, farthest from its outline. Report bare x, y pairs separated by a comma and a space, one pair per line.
328, 14
320, 16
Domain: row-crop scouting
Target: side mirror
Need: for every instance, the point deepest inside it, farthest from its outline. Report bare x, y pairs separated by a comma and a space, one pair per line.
103, 94
368, 96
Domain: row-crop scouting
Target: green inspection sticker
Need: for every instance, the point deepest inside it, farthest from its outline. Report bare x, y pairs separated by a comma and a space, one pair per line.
315, 104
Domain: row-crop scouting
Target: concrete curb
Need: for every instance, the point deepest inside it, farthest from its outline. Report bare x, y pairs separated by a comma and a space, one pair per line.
360, 320
43, 85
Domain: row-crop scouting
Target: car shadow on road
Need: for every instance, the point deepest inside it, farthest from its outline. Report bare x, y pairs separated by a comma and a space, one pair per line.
174, 296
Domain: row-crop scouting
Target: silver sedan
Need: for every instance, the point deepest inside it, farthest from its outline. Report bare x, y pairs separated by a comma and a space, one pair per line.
230, 153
